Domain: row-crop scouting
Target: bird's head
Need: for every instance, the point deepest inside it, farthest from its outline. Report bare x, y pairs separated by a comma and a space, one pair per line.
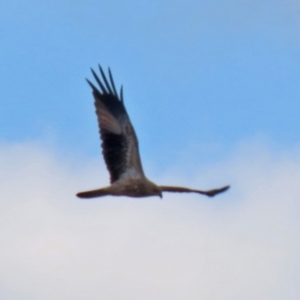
158, 191
160, 194
154, 190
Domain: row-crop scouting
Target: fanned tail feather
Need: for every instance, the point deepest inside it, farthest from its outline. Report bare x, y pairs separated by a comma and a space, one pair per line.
93, 194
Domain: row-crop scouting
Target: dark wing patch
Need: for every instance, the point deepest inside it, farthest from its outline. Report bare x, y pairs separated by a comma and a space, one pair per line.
114, 151
120, 146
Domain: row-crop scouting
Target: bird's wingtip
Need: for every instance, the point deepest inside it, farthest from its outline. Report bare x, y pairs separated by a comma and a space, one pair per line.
215, 192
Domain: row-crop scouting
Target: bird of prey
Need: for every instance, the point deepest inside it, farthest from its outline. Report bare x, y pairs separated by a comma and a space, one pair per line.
120, 148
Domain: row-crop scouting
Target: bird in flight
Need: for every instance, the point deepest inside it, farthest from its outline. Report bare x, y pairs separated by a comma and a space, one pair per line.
120, 148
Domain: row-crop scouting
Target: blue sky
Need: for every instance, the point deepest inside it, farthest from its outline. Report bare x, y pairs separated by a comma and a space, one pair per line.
200, 73
212, 88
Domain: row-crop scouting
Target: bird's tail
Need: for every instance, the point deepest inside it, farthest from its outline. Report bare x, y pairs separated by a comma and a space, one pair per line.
93, 194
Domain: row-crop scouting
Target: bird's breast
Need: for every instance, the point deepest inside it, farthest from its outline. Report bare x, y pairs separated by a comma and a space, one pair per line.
132, 187
132, 174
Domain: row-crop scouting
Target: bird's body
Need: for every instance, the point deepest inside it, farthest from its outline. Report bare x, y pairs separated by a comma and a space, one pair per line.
120, 148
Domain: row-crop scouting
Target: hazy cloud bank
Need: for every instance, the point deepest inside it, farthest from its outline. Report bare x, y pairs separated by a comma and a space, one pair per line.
241, 245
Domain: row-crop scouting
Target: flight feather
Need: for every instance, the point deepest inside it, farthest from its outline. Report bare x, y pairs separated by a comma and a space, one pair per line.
119, 141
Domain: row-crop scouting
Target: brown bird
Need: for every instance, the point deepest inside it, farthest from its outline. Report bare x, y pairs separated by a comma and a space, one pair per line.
120, 148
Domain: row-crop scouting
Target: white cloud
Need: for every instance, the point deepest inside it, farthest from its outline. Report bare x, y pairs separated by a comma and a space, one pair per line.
240, 245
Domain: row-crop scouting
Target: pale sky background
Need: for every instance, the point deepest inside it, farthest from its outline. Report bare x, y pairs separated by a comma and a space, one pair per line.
212, 88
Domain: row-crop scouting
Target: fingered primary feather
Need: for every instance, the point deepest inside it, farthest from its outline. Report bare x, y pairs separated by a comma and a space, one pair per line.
105, 81
119, 141
112, 82
99, 82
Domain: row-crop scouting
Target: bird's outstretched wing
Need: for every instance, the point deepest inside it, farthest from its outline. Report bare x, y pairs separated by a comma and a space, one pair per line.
119, 141
209, 193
